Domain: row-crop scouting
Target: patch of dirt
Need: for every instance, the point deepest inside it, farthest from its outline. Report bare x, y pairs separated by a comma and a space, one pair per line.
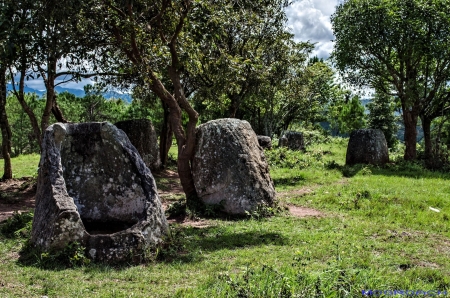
16, 195
172, 195
166, 173
427, 264
442, 245
186, 222
301, 212
295, 192
343, 181
174, 184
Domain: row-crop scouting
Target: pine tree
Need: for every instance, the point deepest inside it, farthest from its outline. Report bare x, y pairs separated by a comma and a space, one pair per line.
382, 117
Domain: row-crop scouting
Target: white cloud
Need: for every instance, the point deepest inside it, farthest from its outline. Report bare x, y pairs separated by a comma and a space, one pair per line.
36, 84
309, 20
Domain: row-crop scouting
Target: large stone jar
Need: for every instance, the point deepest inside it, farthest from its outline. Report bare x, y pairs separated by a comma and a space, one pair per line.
229, 167
94, 188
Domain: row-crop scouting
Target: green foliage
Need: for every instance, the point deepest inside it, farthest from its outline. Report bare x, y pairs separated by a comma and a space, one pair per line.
180, 209
315, 137
196, 208
23, 139
176, 209
24, 165
347, 115
414, 30
309, 95
282, 157
71, 256
93, 107
173, 245
381, 116
241, 56
263, 211
17, 226
369, 57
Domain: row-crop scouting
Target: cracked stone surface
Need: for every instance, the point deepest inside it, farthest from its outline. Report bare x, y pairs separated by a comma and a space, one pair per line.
94, 188
367, 146
229, 167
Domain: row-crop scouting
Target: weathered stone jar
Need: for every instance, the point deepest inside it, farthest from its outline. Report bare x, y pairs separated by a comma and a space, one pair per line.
94, 188
265, 142
367, 146
293, 140
143, 136
229, 167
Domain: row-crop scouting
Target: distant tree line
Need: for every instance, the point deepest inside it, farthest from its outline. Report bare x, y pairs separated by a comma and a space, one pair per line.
93, 107
402, 50
187, 61
219, 58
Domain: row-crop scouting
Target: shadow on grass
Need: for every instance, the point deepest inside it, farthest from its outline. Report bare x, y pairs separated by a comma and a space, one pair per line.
293, 180
347, 171
187, 244
408, 169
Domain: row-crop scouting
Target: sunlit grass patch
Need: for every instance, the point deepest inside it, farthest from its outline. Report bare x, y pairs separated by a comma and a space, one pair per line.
377, 231
23, 165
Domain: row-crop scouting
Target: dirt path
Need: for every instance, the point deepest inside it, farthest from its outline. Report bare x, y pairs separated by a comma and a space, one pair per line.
301, 212
16, 195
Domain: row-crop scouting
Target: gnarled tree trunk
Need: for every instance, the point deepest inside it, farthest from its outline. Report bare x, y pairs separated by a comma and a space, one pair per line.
234, 105
50, 86
59, 116
185, 142
4, 126
20, 95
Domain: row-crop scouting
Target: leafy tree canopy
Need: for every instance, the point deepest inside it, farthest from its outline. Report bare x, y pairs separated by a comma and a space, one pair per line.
405, 44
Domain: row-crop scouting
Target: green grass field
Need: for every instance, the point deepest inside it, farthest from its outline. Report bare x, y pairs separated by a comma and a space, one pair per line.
23, 165
377, 232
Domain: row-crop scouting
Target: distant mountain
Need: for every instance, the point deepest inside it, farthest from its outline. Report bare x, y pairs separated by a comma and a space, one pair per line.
27, 90
113, 94
76, 92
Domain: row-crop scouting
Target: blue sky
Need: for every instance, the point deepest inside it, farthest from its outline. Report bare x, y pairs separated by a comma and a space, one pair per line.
308, 20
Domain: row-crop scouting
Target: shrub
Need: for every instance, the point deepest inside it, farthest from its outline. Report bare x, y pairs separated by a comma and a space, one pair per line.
17, 226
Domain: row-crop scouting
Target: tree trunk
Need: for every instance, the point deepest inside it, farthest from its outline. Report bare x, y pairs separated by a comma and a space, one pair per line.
186, 143
165, 139
4, 126
410, 121
20, 95
426, 125
50, 86
57, 111
234, 105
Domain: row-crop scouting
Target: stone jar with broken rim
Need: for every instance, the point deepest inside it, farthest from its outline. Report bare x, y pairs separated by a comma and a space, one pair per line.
94, 188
